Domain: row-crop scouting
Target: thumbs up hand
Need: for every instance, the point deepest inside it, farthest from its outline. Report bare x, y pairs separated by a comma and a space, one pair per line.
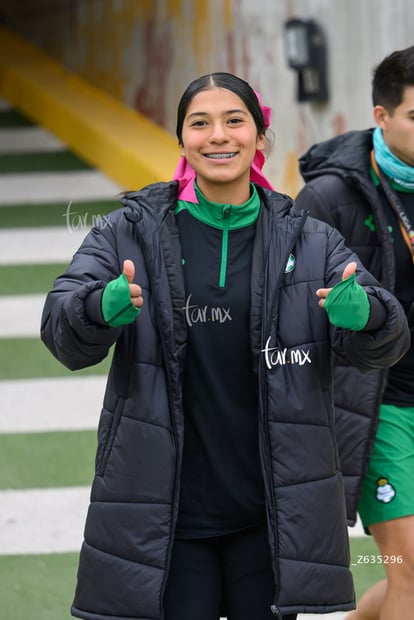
121, 298
134, 289
347, 303
323, 293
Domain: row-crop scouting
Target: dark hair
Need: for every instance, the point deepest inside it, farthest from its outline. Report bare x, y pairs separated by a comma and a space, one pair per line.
391, 77
231, 82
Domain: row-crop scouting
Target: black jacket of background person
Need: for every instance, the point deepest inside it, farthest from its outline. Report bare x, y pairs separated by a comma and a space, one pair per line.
340, 191
130, 524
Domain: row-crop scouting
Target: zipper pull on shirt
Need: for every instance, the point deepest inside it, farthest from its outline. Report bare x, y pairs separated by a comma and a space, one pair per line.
224, 217
224, 244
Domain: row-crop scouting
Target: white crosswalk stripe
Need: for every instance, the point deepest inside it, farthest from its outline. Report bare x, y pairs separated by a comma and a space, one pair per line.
42, 520
20, 315
20, 246
55, 404
46, 187
28, 140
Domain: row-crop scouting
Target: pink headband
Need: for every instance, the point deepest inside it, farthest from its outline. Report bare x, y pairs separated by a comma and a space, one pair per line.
185, 174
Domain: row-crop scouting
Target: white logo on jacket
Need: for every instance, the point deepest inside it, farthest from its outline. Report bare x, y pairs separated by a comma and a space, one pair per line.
275, 356
205, 314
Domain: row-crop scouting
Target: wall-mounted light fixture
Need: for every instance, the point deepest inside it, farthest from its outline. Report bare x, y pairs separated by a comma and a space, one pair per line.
306, 53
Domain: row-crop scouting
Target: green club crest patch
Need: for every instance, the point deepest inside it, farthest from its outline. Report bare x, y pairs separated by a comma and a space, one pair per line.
290, 265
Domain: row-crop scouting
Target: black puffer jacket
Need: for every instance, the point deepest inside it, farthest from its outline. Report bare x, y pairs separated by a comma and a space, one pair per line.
130, 524
339, 190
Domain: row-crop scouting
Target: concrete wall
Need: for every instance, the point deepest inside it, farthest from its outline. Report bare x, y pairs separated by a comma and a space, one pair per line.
146, 51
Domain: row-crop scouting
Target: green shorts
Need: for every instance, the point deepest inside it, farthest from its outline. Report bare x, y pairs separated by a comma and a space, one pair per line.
388, 488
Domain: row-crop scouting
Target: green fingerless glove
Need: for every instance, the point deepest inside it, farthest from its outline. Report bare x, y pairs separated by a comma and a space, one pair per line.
117, 307
347, 305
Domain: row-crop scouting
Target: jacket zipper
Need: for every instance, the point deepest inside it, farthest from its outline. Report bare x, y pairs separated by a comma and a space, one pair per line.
266, 333
273, 511
224, 246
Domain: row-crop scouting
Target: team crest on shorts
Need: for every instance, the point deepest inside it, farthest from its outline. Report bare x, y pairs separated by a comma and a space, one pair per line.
385, 492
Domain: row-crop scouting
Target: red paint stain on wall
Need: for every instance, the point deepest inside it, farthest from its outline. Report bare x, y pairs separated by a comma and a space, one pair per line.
151, 96
231, 58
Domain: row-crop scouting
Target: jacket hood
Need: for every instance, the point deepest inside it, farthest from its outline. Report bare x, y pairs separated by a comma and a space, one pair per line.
345, 155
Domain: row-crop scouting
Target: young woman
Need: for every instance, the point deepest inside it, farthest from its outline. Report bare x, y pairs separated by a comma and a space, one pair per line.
218, 489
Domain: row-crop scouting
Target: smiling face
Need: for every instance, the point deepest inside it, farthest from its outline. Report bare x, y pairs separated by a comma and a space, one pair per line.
398, 127
219, 140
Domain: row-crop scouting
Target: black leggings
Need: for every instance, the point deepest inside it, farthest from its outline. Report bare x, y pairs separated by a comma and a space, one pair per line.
226, 576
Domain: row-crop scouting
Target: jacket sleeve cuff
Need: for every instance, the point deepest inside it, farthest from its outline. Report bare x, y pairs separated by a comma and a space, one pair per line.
377, 315
93, 307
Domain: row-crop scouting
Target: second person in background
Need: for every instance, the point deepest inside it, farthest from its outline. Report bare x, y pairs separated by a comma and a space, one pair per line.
362, 183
